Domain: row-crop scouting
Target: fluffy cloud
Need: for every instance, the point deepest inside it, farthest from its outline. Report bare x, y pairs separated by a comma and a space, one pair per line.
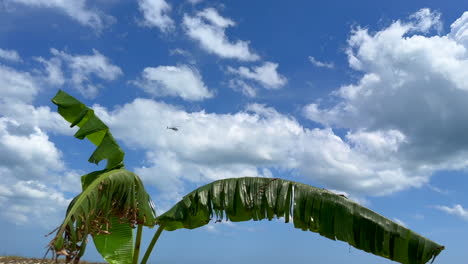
208, 28
16, 85
388, 116
28, 161
266, 75
81, 69
155, 14
183, 81
30, 116
10, 55
26, 153
321, 64
53, 68
253, 142
425, 20
31, 201
31, 166
456, 210
459, 30
76, 9
19, 89
410, 102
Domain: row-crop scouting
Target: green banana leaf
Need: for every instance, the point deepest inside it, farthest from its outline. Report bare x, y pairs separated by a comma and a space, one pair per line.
118, 194
92, 128
116, 247
310, 208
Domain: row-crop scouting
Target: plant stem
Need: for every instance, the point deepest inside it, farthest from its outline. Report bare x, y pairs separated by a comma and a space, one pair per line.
152, 243
136, 253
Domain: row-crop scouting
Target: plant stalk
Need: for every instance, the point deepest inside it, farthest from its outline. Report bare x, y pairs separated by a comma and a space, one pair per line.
152, 243
136, 252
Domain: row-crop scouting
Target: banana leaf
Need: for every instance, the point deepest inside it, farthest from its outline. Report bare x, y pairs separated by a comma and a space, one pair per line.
116, 247
311, 209
113, 198
92, 128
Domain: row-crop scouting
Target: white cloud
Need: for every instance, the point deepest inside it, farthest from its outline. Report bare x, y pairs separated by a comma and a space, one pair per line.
253, 142
208, 28
320, 64
17, 94
82, 68
53, 69
31, 201
459, 30
31, 166
28, 161
412, 97
76, 9
29, 116
456, 210
376, 143
183, 81
16, 85
155, 13
10, 55
266, 75
242, 86
27, 153
425, 19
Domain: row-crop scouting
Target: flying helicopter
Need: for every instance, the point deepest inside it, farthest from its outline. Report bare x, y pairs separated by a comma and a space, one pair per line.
173, 128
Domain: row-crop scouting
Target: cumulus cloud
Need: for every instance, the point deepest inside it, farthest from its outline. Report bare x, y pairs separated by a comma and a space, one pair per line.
155, 13
459, 30
208, 28
31, 201
183, 81
76, 9
31, 166
254, 142
27, 153
425, 20
19, 89
31, 116
81, 69
456, 210
82, 72
266, 75
411, 98
10, 55
321, 64
17, 85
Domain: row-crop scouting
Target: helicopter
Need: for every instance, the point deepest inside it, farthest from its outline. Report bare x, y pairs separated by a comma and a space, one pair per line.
173, 128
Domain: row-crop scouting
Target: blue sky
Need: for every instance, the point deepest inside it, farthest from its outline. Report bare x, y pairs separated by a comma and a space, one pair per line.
366, 98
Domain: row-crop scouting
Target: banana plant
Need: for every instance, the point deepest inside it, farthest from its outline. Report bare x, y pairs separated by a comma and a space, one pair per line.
114, 202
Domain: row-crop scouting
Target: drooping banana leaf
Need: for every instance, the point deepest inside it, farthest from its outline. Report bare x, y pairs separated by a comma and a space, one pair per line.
310, 208
116, 194
92, 128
